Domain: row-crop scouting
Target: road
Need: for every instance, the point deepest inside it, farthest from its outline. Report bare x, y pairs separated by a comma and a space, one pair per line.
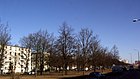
130, 74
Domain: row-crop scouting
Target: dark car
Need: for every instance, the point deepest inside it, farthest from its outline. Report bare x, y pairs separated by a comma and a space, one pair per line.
117, 69
96, 75
131, 67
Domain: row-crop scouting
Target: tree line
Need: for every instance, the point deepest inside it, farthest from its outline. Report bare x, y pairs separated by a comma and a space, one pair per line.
80, 50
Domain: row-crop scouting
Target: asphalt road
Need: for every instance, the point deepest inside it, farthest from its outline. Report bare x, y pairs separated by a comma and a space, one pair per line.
130, 74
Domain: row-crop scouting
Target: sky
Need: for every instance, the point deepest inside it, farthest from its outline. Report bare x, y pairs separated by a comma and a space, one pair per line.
111, 20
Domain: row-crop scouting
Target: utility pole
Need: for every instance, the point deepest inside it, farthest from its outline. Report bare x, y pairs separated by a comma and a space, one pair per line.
134, 21
131, 58
138, 56
137, 20
138, 53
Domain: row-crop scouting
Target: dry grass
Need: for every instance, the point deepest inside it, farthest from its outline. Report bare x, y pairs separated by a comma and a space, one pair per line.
51, 75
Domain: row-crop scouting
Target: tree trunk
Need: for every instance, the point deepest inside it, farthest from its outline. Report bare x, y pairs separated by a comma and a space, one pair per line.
83, 69
41, 69
94, 68
36, 65
66, 69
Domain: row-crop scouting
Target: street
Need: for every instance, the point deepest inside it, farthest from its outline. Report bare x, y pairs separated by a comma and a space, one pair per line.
130, 74
133, 74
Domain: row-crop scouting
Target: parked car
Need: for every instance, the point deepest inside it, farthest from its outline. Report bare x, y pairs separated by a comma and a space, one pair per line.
96, 75
131, 67
117, 69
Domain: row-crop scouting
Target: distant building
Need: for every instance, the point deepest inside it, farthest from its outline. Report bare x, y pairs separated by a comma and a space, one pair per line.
33, 59
17, 58
124, 61
137, 63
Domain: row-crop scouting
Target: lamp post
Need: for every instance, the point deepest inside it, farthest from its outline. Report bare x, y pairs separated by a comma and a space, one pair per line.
136, 20
131, 57
138, 53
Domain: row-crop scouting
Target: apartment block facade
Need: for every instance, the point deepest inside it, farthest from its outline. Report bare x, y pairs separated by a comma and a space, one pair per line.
18, 58
33, 59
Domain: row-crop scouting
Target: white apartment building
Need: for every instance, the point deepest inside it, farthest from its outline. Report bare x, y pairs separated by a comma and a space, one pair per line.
33, 63
19, 57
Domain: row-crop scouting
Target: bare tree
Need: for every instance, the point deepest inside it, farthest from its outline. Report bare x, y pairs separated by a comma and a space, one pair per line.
78, 56
94, 51
85, 36
5, 37
54, 57
65, 44
39, 42
27, 42
115, 52
109, 59
46, 39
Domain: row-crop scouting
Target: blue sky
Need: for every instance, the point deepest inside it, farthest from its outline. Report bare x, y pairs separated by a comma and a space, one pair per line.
110, 19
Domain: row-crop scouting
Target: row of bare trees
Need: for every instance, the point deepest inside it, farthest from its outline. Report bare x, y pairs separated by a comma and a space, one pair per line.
69, 49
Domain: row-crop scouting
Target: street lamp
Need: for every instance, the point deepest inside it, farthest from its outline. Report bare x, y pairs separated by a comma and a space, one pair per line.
136, 20
131, 57
138, 53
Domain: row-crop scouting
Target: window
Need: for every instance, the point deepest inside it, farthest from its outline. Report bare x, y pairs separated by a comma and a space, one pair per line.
28, 54
21, 66
10, 48
5, 52
22, 52
22, 56
18, 53
15, 54
6, 62
22, 61
21, 70
9, 58
10, 53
